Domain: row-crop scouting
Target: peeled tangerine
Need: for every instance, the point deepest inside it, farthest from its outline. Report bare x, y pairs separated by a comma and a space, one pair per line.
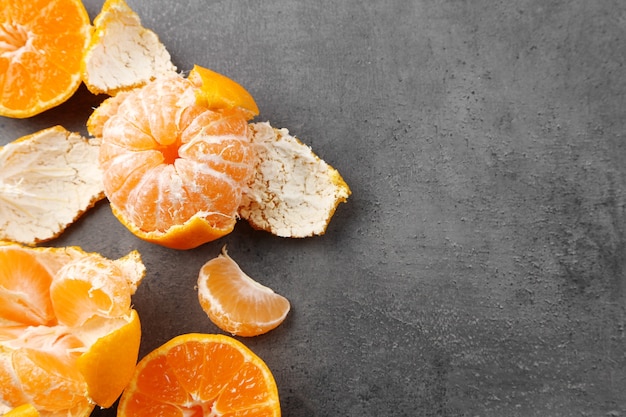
48, 179
174, 166
69, 338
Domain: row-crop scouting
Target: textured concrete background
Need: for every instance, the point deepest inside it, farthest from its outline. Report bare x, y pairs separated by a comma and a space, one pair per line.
479, 268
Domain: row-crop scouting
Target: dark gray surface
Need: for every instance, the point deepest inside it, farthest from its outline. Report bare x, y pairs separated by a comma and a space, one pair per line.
479, 267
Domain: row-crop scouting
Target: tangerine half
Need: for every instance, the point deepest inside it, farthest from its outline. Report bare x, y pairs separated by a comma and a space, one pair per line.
201, 375
42, 43
174, 170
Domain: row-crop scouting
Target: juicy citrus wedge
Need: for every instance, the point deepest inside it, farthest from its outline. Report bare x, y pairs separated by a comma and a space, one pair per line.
122, 53
174, 170
41, 49
201, 375
235, 302
48, 179
293, 193
217, 91
69, 338
24, 410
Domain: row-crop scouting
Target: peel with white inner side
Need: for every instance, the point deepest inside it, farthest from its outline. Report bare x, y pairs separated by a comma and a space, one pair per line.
294, 193
122, 53
48, 179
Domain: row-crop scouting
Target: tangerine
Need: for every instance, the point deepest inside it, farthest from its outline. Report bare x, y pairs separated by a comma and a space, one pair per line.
201, 375
174, 170
41, 48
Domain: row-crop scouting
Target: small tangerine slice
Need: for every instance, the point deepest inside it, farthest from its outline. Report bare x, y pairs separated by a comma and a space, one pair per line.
122, 53
174, 170
48, 180
65, 361
201, 374
41, 49
235, 302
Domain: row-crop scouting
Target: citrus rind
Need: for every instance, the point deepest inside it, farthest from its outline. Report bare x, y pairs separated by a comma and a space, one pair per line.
122, 54
48, 180
294, 193
191, 234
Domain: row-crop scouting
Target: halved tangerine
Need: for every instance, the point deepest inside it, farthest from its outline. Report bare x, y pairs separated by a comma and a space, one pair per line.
201, 375
41, 48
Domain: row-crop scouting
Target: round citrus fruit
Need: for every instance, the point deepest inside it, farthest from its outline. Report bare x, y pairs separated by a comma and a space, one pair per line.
69, 338
174, 170
41, 48
201, 375
235, 302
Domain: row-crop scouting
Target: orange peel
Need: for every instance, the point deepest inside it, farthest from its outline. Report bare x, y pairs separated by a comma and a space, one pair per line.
294, 193
122, 54
48, 180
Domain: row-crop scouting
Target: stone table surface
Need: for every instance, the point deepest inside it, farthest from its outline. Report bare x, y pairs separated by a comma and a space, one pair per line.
479, 267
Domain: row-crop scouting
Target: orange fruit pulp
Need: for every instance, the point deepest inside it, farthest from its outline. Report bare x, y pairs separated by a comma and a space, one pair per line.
235, 302
174, 169
68, 335
41, 48
201, 375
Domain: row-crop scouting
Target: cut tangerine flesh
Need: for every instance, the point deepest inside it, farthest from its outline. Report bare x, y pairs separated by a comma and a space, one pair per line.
235, 302
72, 339
41, 48
169, 161
201, 375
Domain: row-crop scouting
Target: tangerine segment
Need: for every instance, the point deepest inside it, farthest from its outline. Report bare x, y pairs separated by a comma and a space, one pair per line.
174, 170
235, 302
84, 350
41, 49
201, 375
217, 91
24, 289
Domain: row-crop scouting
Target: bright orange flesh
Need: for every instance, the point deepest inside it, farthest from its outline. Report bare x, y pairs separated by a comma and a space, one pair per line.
201, 375
235, 302
174, 170
41, 48
68, 335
